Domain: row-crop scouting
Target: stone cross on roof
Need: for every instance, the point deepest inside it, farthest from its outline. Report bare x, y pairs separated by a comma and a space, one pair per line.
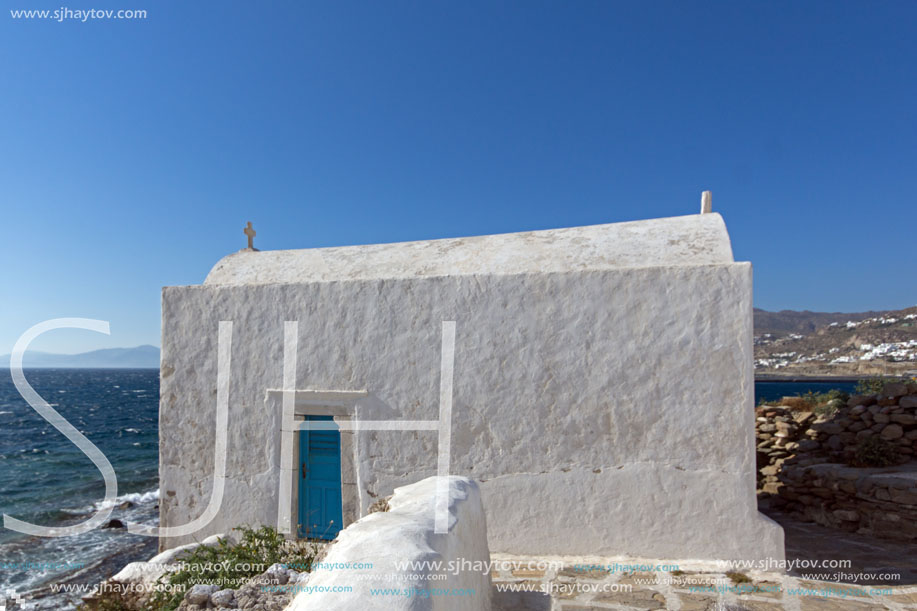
250, 232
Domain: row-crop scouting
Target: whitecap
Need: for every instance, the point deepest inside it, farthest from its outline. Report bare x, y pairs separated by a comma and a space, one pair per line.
133, 497
131, 430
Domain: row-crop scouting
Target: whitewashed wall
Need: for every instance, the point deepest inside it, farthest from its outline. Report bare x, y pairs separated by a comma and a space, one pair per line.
381, 542
603, 412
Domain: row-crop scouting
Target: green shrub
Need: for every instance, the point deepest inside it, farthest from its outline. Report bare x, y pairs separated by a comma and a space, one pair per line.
872, 386
827, 410
815, 399
229, 565
108, 601
875, 452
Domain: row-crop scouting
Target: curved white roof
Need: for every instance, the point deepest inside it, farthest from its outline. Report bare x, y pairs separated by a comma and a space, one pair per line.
699, 239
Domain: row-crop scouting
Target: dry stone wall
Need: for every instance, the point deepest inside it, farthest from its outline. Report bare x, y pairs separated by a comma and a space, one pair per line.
854, 469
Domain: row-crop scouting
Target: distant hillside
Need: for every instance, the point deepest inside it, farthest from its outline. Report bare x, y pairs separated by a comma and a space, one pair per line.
829, 344
107, 358
785, 322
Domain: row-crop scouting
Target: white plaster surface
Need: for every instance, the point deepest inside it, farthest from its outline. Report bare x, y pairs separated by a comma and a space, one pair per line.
603, 411
405, 533
681, 240
150, 571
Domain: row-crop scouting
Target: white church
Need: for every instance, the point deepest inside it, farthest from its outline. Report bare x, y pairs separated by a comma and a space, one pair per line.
596, 382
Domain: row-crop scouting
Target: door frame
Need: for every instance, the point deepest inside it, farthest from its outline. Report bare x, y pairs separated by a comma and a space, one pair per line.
341, 404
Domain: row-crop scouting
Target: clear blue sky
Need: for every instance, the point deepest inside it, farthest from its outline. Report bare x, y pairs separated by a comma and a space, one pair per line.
133, 152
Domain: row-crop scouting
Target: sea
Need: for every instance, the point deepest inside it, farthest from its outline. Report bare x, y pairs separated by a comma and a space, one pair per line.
45, 479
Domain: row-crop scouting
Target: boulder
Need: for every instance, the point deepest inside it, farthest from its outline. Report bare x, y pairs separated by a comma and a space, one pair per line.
223, 598
892, 431
200, 594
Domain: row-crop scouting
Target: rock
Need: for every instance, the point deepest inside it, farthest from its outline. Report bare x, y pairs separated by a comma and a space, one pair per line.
908, 401
831, 428
846, 514
223, 598
892, 431
691, 602
772, 487
866, 400
114, 524
881, 418
125, 505
767, 428
894, 390
848, 487
635, 598
906, 497
808, 445
906, 419
912, 435
278, 573
200, 594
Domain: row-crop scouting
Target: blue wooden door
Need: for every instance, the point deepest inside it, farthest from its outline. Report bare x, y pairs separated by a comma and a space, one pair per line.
320, 513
